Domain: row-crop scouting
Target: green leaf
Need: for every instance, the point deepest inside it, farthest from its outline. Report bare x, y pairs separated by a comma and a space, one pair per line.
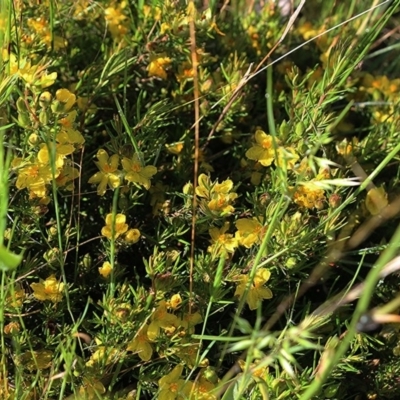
8, 260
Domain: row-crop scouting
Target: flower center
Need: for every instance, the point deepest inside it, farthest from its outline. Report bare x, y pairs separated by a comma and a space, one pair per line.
108, 169
136, 167
33, 171
266, 144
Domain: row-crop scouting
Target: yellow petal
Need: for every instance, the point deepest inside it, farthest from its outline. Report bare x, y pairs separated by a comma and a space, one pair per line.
263, 139
114, 161
148, 171
101, 189
263, 293
132, 236
262, 276
223, 187
204, 180
153, 330
254, 153
252, 300
376, 200
102, 156
145, 351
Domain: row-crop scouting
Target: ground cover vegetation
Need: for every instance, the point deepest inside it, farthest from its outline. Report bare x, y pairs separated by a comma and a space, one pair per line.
199, 199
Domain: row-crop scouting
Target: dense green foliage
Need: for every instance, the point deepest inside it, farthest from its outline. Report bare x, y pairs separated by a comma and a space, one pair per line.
199, 200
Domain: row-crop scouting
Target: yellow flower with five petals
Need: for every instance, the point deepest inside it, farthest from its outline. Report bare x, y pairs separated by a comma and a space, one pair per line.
136, 172
141, 345
172, 387
263, 151
249, 231
162, 319
257, 291
108, 174
49, 289
222, 242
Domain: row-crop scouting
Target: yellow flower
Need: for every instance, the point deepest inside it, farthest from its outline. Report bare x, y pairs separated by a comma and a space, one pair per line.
263, 151
185, 72
346, 148
254, 369
187, 351
221, 198
157, 67
36, 360
136, 173
103, 355
222, 242
257, 291
67, 175
64, 101
105, 269
49, 289
132, 236
140, 344
286, 157
175, 148
34, 177
172, 387
204, 187
249, 232
42, 29
175, 302
44, 155
68, 135
161, 319
202, 389
116, 21
120, 227
376, 200
108, 174
12, 328
188, 322
309, 196
16, 297
91, 389
217, 195
222, 203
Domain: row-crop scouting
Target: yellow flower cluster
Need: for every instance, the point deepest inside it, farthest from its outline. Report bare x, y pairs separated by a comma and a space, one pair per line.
117, 227
109, 174
114, 229
249, 232
103, 354
385, 90
266, 151
380, 87
216, 197
157, 66
117, 21
40, 29
164, 321
257, 291
48, 289
173, 387
48, 159
34, 76
310, 196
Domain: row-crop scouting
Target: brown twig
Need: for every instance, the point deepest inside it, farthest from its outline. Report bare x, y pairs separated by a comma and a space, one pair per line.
193, 51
